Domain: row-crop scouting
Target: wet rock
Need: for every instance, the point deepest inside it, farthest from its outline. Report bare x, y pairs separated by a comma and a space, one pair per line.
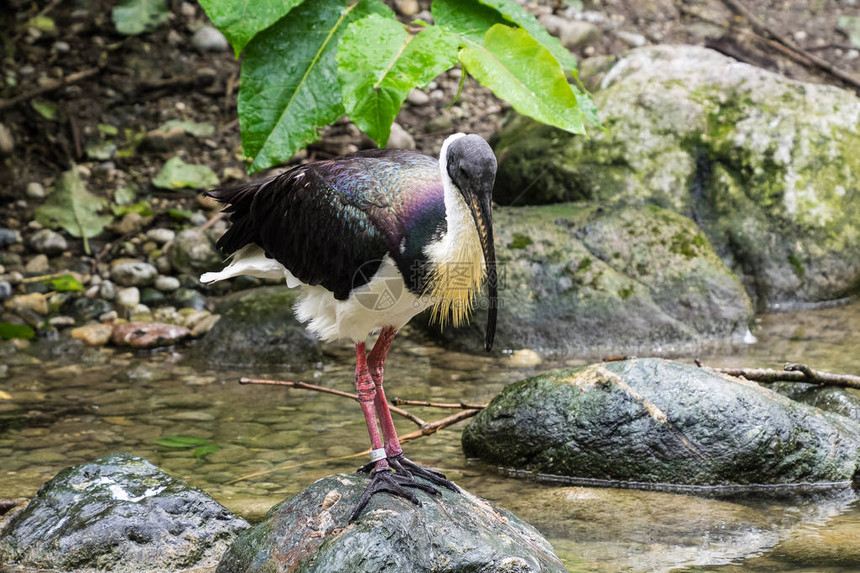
189, 298
107, 290
192, 252
209, 39
35, 302
132, 273
167, 284
258, 327
701, 134
842, 401
48, 242
593, 281
61, 321
205, 325
130, 224
393, 534
93, 334
122, 514
657, 421
152, 297
148, 334
38, 265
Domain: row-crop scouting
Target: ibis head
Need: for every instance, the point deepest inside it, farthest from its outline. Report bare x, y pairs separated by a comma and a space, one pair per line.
471, 165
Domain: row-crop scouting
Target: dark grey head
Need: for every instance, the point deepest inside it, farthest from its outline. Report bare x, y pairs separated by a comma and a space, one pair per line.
472, 168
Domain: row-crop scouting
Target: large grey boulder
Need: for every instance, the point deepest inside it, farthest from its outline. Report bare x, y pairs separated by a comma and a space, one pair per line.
580, 279
119, 513
767, 166
257, 326
656, 421
454, 533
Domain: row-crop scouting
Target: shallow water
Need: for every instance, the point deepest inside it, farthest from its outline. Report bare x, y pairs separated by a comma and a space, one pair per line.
65, 409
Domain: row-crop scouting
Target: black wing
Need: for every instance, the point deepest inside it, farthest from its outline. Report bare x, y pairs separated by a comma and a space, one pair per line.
321, 235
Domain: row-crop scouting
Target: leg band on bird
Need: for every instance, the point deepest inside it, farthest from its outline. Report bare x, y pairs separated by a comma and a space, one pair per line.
366, 390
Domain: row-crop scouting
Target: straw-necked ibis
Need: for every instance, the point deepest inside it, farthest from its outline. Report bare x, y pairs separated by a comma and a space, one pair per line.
372, 239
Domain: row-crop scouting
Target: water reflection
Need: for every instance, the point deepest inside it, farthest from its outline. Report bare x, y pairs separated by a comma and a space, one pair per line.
68, 405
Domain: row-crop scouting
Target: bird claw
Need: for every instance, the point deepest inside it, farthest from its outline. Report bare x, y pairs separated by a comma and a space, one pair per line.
387, 481
406, 467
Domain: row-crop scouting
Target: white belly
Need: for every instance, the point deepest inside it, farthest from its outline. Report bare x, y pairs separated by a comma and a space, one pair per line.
384, 301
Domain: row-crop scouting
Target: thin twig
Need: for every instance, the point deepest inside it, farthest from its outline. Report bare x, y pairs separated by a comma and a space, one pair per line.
459, 406
793, 373
305, 386
55, 85
434, 427
793, 51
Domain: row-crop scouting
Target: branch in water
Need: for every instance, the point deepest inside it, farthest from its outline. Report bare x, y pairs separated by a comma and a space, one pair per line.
792, 373
458, 406
305, 386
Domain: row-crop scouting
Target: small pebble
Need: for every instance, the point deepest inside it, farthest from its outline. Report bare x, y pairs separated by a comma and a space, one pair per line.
93, 334
38, 265
128, 272
61, 321
35, 190
209, 39
166, 284
8, 237
160, 236
48, 242
107, 290
127, 299
418, 97
400, 138
62, 47
109, 316
5, 290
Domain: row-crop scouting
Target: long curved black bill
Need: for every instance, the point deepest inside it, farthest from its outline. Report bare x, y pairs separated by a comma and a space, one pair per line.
482, 211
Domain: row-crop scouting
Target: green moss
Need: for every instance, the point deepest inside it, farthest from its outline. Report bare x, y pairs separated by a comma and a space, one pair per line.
624, 293
583, 265
519, 241
797, 265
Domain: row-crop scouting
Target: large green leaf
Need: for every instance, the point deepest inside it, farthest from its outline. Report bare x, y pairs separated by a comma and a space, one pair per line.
516, 14
519, 69
241, 20
286, 93
133, 17
466, 18
379, 62
73, 208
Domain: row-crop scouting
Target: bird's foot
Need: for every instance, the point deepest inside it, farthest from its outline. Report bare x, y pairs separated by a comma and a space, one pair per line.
385, 480
406, 467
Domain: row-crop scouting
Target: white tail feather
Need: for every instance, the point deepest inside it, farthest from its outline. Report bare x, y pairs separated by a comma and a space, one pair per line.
251, 260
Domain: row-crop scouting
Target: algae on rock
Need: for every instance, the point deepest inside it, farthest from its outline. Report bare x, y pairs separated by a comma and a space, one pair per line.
765, 165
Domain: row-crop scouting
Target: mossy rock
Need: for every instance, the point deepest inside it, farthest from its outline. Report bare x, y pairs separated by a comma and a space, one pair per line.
662, 422
766, 165
454, 532
257, 326
578, 278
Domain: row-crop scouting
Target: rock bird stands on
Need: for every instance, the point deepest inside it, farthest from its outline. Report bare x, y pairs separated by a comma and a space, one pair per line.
372, 239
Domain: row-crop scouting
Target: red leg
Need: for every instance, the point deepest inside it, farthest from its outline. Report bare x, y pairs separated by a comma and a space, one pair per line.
364, 385
396, 460
376, 365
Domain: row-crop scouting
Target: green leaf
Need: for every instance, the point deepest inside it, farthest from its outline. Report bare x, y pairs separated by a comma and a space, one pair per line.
190, 127
206, 450
133, 17
466, 18
516, 14
124, 195
586, 104
379, 62
65, 283
71, 207
523, 72
241, 20
851, 26
48, 110
286, 93
8, 331
107, 130
181, 442
142, 208
180, 214
176, 174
